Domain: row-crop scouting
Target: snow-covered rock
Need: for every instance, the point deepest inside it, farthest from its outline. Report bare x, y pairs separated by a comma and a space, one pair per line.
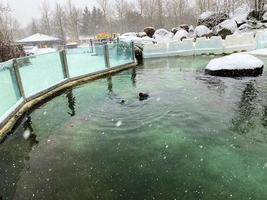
174, 30
202, 30
141, 34
162, 35
228, 24
206, 15
185, 27
180, 35
191, 32
211, 19
140, 41
144, 40
264, 17
225, 28
130, 34
149, 31
235, 65
250, 26
240, 14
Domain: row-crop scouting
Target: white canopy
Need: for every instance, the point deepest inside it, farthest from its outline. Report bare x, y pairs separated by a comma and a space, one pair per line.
39, 38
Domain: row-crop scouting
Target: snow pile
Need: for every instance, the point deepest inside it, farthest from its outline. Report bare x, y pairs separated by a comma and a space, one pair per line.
141, 34
144, 40
238, 61
205, 15
130, 34
240, 14
180, 35
162, 35
228, 24
202, 31
39, 51
45, 50
137, 40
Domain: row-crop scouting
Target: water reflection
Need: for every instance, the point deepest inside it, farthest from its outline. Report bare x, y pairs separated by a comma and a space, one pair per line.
14, 158
264, 117
212, 82
28, 126
246, 109
71, 103
110, 85
111, 94
133, 77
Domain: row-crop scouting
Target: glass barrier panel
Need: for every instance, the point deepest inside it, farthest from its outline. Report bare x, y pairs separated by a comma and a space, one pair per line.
40, 72
120, 53
10, 96
82, 61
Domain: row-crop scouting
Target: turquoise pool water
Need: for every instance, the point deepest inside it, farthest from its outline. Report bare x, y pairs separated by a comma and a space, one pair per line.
196, 137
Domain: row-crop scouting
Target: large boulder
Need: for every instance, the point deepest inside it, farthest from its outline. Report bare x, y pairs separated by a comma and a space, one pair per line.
264, 17
174, 30
185, 27
191, 32
235, 65
138, 41
256, 15
162, 35
240, 14
211, 19
225, 28
180, 35
141, 34
224, 32
149, 31
202, 31
250, 25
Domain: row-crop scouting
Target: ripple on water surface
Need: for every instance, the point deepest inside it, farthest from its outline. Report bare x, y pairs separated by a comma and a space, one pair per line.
195, 137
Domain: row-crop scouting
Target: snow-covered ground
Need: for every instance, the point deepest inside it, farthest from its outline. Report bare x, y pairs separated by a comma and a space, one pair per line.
258, 52
39, 51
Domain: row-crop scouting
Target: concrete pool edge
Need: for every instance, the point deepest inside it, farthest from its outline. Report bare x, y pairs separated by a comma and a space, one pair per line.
11, 121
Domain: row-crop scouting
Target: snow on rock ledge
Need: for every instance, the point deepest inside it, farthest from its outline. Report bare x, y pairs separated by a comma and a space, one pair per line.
235, 65
180, 35
162, 35
201, 31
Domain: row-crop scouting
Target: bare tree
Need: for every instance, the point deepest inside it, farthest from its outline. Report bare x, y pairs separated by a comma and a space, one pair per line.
103, 6
141, 6
73, 21
34, 27
59, 22
259, 5
121, 7
45, 19
7, 24
150, 10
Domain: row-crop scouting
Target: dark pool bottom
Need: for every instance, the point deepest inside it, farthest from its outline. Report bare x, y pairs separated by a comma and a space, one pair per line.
196, 137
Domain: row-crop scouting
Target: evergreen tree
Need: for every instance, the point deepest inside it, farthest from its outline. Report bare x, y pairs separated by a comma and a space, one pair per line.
85, 28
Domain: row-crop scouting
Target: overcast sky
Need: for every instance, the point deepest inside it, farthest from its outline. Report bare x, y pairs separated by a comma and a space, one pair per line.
25, 10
